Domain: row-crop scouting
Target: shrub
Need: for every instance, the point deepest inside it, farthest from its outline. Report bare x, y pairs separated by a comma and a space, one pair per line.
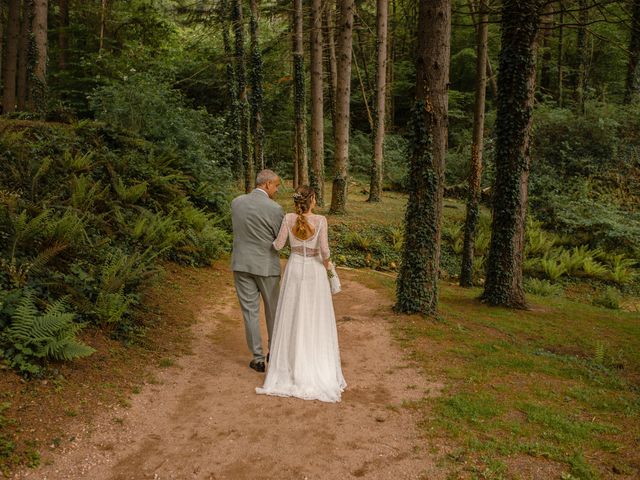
542, 288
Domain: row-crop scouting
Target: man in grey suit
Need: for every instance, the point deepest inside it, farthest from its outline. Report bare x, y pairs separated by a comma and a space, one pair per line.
256, 220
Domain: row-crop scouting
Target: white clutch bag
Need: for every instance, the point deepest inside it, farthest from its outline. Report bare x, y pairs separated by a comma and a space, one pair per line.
334, 281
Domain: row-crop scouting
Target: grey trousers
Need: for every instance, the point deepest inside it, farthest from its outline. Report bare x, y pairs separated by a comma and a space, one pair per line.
250, 288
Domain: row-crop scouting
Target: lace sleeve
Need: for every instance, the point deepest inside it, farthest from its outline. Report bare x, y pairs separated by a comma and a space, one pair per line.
283, 235
324, 239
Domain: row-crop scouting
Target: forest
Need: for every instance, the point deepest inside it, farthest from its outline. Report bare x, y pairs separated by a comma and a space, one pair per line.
478, 161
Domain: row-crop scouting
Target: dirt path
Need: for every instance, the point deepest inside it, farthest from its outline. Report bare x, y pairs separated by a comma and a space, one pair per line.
202, 419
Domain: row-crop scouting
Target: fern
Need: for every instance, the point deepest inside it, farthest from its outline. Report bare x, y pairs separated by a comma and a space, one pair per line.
85, 192
33, 337
130, 194
78, 162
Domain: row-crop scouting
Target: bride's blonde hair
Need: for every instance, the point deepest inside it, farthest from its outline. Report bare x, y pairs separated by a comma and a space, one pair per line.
302, 199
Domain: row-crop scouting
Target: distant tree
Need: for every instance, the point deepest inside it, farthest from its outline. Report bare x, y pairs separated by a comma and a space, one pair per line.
632, 86
475, 171
516, 86
382, 13
38, 86
317, 102
583, 54
300, 142
417, 284
63, 33
257, 76
547, 34
332, 69
343, 97
10, 62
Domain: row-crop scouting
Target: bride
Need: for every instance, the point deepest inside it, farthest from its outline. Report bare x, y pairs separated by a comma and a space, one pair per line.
304, 358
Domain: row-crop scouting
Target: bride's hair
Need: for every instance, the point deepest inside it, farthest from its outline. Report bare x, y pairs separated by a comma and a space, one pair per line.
302, 199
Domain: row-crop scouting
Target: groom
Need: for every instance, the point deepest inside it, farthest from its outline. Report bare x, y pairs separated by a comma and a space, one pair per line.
256, 220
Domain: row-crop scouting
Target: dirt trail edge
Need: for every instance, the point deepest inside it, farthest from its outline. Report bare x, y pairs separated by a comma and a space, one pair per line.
202, 419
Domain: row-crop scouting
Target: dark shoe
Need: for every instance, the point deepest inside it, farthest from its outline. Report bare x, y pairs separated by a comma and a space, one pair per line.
258, 366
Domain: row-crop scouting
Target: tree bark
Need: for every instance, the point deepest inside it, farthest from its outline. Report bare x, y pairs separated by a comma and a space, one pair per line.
332, 68
475, 172
391, 57
375, 188
299, 107
233, 118
241, 88
23, 54
583, 56
516, 86
257, 77
38, 86
2, 30
560, 86
10, 64
632, 84
103, 24
343, 97
417, 284
317, 102
63, 34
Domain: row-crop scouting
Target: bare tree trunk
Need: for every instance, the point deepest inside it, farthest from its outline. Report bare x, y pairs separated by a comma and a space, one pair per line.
375, 189
475, 172
103, 24
38, 86
391, 56
243, 104
560, 87
2, 23
343, 96
545, 71
23, 54
63, 34
10, 63
632, 86
491, 78
581, 84
257, 76
317, 102
300, 143
417, 284
332, 68
516, 87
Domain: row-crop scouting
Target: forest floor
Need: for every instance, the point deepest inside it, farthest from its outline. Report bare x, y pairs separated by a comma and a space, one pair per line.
479, 393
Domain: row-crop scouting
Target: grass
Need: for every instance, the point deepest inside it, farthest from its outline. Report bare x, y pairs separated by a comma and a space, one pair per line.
554, 389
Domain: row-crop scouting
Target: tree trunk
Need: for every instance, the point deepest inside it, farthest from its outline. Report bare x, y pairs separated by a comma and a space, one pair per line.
583, 56
343, 97
233, 118
632, 86
103, 25
417, 284
391, 56
317, 103
491, 78
545, 70
475, 172
516, 86
257, 78
332, 68
560, 86
10, 63
2, 29
63, 34
375, 189
23, 54
300, 143
38, 86
241, 88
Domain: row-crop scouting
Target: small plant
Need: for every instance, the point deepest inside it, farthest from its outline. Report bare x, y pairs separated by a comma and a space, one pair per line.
610, 298
594, 269
33, 337
622, 269
553, 268
538, 241
542, 288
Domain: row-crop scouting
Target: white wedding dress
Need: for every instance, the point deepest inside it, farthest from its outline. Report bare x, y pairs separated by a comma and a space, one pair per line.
304, 355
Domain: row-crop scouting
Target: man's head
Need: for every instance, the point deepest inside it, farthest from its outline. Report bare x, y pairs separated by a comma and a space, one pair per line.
268, 181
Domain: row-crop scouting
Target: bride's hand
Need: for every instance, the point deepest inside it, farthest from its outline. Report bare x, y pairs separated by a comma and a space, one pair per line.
328, 264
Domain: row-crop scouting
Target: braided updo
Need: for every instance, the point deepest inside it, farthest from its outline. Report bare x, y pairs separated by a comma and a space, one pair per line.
302, 201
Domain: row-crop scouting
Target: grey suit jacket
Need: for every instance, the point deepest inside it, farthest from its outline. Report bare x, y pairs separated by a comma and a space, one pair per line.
256, 222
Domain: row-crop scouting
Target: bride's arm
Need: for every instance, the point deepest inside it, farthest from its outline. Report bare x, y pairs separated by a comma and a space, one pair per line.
324, 243
283, 235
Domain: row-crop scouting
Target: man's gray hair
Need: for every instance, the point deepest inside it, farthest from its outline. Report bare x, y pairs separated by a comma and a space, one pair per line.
265, 176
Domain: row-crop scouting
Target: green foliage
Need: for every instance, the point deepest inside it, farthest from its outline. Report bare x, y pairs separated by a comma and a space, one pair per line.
33, 336
609, 298
542, 288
